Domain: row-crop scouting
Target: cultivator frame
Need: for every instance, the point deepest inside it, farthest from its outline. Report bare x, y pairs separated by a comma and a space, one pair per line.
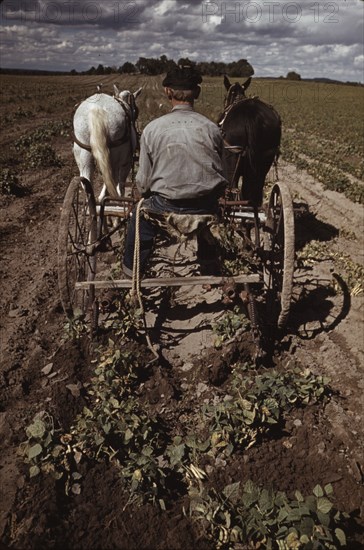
267, 231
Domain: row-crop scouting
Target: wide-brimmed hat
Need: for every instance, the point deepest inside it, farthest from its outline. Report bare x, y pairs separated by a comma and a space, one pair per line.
182, 78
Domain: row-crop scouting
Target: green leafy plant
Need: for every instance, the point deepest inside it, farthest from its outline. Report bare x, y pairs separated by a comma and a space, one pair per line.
112, 427
17, 115
75, 327
257, 402
228, 325
43, 134
36, 147
116, 428
40, 441
262, 518
40, 155
9, 183
330, 176
125, 316
48, 451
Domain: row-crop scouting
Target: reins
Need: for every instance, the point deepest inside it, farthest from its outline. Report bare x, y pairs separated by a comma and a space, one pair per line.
229, 108
235, 149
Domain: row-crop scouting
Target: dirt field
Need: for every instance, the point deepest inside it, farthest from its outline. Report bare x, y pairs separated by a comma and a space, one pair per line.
318, 444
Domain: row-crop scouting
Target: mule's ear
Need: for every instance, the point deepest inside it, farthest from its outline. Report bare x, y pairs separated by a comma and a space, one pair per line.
247, 83
138, 92
116, 90
227, 82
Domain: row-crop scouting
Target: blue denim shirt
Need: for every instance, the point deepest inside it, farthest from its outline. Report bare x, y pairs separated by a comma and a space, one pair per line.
180, 155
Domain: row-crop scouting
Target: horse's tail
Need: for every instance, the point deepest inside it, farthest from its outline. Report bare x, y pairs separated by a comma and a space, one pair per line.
100, 148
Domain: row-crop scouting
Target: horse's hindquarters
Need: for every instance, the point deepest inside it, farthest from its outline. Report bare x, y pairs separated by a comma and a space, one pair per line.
102, 124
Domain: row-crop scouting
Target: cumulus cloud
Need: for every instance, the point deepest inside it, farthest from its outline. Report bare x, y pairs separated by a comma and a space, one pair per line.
316, 38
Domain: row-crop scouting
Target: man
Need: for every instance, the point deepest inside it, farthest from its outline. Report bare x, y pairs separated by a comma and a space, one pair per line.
180, 167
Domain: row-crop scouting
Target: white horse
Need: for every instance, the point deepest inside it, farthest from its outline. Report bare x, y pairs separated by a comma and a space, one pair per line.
104, 131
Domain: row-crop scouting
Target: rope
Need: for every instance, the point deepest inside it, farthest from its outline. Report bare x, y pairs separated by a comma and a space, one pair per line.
135, 285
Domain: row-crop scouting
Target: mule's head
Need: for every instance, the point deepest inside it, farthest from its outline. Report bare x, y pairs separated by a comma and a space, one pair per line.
129, 98
235, 91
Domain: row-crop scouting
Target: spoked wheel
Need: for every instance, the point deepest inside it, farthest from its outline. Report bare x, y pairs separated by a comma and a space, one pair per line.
77, 247
280, 255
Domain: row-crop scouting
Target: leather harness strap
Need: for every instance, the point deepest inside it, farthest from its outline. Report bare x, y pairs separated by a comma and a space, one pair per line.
111, 144
236, 149
83, 145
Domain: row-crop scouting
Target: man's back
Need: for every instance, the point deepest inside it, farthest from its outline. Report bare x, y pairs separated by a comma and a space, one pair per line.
182, 155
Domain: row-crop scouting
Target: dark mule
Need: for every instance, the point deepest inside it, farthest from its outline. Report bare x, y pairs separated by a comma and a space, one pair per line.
252, 135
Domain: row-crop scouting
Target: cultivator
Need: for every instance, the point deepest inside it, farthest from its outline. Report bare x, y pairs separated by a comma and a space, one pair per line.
266, 233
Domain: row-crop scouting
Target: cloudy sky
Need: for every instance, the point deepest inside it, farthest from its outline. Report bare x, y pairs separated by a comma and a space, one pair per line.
321, 38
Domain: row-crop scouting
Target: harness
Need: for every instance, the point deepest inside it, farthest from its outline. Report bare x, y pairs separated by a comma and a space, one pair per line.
117, 142
229, 108
237, 149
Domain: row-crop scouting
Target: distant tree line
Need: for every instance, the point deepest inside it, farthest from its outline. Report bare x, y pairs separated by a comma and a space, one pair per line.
33, 72
152, 66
